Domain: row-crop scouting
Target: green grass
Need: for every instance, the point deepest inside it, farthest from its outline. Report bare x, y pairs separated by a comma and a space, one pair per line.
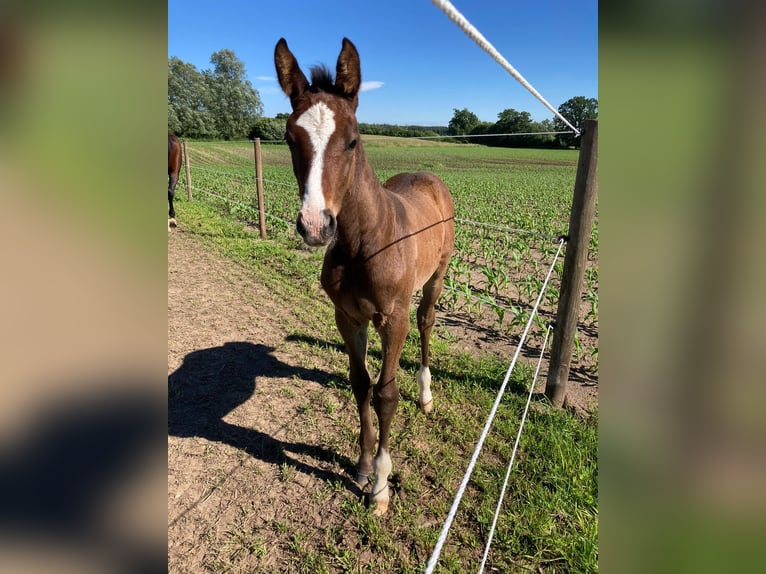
549, 520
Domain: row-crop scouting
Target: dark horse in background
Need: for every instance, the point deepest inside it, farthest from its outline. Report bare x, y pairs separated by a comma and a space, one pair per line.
385, 242
174, 168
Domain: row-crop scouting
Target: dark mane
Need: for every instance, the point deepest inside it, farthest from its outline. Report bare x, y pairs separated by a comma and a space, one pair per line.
322, 79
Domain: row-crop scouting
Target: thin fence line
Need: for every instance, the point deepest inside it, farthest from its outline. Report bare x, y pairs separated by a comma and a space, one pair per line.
552, 236
279, 183
513, 454
496, 227
368, 137
464, 483
246, 206
510, 229
288, 223
477, 298
471, 31
231, 141
227, 199
381, 136
221, 141
459, 220
250, 175
206, 169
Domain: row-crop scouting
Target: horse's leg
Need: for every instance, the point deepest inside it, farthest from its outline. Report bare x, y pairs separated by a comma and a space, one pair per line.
385, 398
355, 337
171, 194
426, 317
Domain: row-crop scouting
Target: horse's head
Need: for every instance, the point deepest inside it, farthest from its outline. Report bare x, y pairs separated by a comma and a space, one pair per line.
322, 133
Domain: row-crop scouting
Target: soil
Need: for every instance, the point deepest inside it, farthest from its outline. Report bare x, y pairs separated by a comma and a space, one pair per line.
254, 431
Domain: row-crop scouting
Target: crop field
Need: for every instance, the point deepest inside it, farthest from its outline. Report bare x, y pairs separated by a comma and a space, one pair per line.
263, 427
510, 207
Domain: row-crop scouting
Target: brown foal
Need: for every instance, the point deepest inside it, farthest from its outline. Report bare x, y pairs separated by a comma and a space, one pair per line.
385, 242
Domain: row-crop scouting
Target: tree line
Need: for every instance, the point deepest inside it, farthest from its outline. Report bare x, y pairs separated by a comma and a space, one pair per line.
510, 121
221, 103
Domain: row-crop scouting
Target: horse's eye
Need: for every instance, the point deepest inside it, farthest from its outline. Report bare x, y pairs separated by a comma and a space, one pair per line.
352, 144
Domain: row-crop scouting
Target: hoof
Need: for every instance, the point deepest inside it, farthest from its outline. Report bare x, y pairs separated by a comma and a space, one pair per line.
380, 499
428, 407
171, 222
381, 507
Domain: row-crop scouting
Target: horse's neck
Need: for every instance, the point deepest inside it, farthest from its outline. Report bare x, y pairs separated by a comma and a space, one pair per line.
367, 210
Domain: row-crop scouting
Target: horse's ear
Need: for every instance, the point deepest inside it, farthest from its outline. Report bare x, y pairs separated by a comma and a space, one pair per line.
348, 72
291, 79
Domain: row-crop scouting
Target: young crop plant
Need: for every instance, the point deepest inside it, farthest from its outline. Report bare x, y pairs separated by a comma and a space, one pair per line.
591, 296
496, 278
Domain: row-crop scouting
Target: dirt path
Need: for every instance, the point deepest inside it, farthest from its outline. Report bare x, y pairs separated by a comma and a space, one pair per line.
235, 415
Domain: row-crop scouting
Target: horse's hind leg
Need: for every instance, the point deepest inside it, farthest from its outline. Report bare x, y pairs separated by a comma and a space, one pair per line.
426, 318
355, 337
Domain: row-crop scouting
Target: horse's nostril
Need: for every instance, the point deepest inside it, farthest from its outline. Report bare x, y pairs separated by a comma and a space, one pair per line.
330, 220
330, 225
299, 225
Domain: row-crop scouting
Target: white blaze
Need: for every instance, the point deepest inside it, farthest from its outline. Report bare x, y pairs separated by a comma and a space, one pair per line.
319, 123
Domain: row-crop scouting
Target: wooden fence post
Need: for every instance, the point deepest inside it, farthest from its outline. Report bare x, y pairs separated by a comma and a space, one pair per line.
580, 224
259, 187
188, 174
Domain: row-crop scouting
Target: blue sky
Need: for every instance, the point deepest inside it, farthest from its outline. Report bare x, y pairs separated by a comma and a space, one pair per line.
418, 63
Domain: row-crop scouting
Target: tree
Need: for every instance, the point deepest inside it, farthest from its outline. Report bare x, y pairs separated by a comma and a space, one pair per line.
233, 102
547, 140
482, 128
510, 121
576, 110
187, 93
269, 129
463, 122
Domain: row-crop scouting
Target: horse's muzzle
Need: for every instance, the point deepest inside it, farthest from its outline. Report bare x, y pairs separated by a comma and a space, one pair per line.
316, 227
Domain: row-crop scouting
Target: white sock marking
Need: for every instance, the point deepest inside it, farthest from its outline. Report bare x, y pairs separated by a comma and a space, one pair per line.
383, 468
319, 123
424, 384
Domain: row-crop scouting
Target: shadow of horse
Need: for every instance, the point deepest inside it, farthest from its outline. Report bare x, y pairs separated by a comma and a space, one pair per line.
210, 383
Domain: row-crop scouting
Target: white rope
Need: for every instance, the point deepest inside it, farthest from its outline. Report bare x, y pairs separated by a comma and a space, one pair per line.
513, 454
461, 490
453, 14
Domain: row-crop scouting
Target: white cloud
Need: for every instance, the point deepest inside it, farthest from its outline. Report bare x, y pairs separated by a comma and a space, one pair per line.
371, 86
266, 78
